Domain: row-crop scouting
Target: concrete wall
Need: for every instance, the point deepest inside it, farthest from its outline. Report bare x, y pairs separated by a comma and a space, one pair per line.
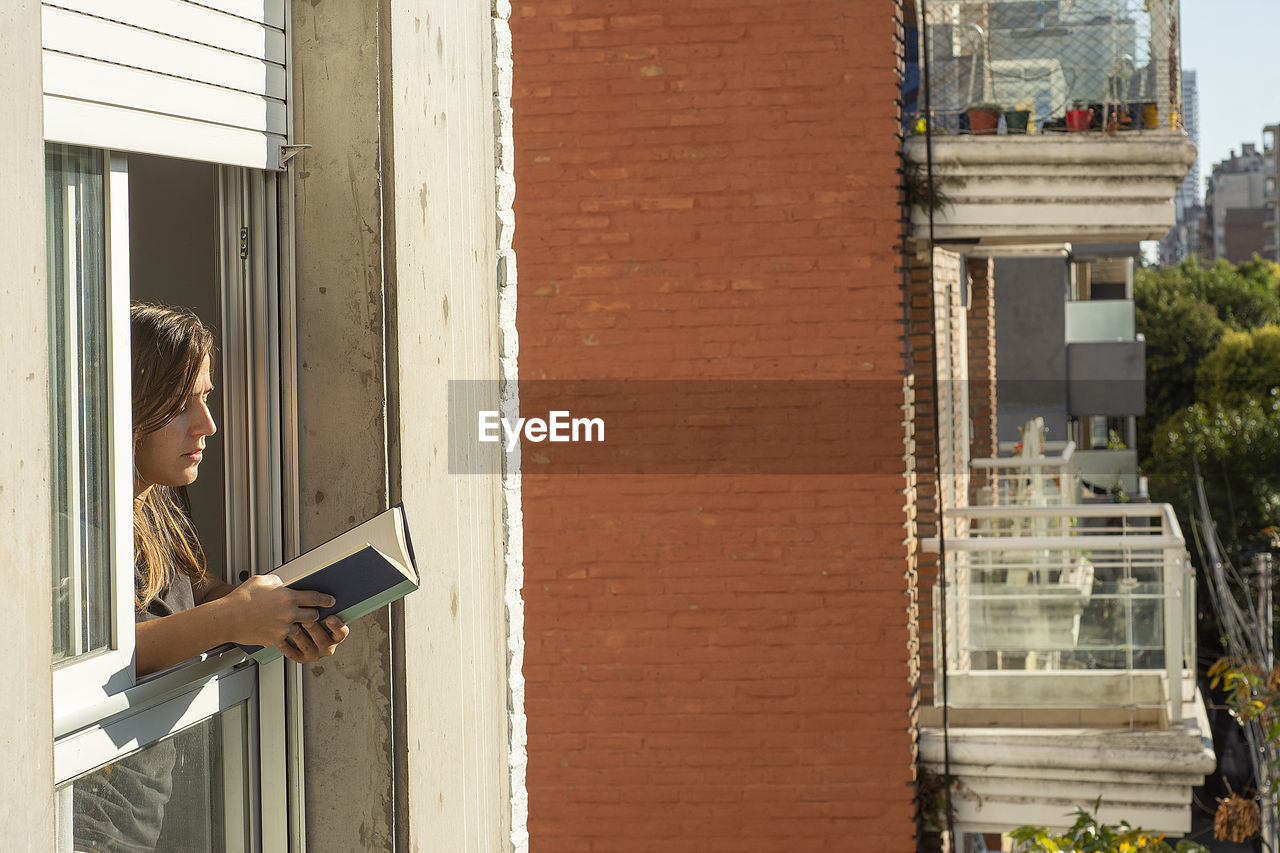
26, 739
1030, 296
397, 251
342, 411
439, 187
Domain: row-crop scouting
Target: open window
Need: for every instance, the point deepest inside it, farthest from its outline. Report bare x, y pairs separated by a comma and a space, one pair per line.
193, 748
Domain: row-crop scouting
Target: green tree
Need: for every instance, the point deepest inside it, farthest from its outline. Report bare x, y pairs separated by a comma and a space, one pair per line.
1239, 452
1243, 366
1184, 311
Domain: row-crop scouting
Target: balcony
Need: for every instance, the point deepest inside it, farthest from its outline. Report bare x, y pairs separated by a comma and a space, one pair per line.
1068, 607
1108, 470
1069, 653
1095, 321
1096, 85
1030, 479
1057, 477
1106, 360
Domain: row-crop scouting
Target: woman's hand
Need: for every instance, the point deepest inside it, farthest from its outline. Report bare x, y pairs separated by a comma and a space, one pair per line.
263, 612
313, 641
259, 612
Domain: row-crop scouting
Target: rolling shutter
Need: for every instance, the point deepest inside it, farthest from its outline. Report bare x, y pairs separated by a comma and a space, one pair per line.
168, 77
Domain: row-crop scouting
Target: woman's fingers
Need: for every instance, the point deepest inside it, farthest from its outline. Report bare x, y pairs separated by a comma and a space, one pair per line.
311, 598
313, 641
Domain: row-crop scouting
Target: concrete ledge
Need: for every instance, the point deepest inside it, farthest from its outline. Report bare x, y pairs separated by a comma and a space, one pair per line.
1054, 188
1007, 777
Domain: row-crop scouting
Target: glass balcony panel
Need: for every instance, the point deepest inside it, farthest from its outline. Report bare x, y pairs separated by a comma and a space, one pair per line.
1075, 591
1100, 320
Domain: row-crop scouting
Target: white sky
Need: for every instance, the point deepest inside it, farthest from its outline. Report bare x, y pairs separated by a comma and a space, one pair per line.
1234, 48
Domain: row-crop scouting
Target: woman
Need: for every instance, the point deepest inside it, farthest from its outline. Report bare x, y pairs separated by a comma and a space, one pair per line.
181, 610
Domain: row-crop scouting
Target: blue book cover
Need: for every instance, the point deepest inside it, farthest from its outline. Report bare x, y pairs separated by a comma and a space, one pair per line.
363, 580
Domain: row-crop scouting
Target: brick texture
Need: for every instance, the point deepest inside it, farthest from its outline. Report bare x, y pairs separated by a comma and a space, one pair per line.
982, 368
710, 189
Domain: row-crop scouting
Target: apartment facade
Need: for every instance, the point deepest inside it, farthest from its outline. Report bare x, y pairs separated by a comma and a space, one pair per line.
254, 160
1238, 222
757, 656
732, 640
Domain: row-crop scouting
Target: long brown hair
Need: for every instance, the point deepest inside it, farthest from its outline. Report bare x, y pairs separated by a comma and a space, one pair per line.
169, 348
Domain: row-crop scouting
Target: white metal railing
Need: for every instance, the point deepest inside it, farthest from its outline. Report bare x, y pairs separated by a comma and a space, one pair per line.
1042, 480
1067, 606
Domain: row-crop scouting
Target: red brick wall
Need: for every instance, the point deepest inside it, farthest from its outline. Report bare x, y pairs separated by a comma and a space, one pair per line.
709, 189
982, 363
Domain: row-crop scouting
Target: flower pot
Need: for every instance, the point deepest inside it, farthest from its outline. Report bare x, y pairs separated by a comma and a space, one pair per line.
983, 121
1078, 121
1015, 121
1118, 118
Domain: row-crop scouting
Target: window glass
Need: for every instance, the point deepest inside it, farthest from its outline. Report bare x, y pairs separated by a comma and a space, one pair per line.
183, 793
79, 400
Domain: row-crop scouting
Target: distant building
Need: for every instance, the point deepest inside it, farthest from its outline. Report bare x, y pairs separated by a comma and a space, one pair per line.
1183, 239
1271, 221
1235, 210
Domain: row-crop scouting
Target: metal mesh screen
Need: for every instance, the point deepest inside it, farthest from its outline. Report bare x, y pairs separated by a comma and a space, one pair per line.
1070, 65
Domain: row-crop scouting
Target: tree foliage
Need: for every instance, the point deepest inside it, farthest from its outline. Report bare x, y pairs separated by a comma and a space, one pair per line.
1213, 370
1185, 310
1243, 366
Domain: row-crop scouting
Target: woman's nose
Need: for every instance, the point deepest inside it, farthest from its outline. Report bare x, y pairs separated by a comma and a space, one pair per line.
207, 425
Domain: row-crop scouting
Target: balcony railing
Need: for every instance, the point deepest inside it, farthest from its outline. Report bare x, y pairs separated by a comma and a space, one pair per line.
1045, 480
1093, 321
1066, 607
1118, 58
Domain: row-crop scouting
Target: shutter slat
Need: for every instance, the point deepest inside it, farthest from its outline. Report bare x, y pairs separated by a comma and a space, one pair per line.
76, 34
88, 80
269, 12
193, 23
125, 129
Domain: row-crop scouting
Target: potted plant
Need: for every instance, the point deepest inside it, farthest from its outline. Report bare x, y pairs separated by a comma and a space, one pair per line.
984, 118
1016, 120
1079, 119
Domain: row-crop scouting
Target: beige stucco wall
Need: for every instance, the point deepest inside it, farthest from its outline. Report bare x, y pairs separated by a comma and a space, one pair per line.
26, 738
397, 252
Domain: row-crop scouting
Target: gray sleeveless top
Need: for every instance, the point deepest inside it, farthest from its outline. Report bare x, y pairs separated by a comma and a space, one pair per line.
120, 808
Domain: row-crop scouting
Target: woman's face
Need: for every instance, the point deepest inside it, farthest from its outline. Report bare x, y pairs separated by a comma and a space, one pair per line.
171, 455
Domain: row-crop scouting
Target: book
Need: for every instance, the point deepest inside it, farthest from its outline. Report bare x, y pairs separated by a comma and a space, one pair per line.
369, 566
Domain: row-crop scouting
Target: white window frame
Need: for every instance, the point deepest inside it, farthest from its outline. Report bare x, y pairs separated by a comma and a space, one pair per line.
102, 710
116, 738
89, 679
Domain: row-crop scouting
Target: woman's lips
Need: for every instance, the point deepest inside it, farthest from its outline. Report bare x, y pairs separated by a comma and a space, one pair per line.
195, 455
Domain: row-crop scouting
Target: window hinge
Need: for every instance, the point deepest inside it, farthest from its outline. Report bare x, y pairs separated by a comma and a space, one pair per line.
288, 152
244, 243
